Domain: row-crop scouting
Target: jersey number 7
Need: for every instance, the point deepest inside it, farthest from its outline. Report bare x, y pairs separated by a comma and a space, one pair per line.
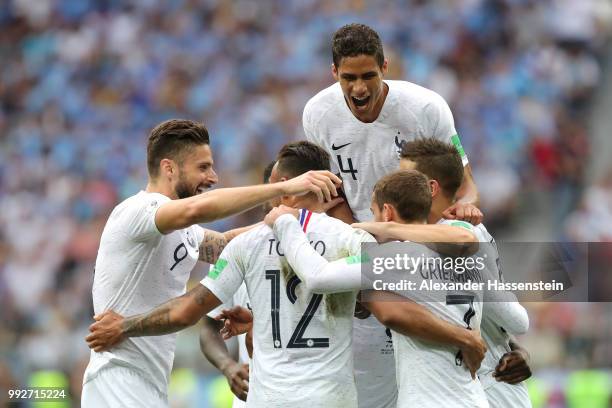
297, 339
462, 299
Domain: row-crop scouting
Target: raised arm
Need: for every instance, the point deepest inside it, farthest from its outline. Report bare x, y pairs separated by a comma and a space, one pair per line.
178, 313
223, 202
423, 233
319, 275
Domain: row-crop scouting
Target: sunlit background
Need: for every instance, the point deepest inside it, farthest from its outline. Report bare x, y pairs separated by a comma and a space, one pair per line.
83, 81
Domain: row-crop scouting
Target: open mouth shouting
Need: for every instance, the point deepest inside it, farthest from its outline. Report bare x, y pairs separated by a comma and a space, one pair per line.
360, 103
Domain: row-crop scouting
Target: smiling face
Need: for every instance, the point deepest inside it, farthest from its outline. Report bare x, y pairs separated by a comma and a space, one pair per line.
196, 173
361, 80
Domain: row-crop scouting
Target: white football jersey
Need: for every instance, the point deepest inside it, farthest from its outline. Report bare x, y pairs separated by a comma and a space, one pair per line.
301, 341
433, 375
364, 152
499, 394
137, 269
240, 298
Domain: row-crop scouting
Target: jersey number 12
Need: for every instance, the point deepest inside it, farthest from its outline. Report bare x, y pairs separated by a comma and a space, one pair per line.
297, 339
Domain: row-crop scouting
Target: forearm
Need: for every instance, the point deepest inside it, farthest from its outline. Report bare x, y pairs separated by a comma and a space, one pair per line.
213, 346
224, 202
162, 320
233, 233
508, 314
411, 319
319, 275
172, 316
214, 242
213, 205
468, 191
428, 233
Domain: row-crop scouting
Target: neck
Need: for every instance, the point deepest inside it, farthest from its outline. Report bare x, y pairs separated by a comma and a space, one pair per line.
438, 205
308, 201
154, 186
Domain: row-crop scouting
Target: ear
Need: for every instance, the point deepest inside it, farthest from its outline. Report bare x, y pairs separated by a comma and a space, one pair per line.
168, 168
435, 188
388, 212
334, 71
385, 67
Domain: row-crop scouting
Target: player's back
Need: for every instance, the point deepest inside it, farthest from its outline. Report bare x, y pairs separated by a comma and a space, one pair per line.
302, 355
432, 375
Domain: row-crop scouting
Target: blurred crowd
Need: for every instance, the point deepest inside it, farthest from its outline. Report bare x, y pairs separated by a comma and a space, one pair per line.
83, 81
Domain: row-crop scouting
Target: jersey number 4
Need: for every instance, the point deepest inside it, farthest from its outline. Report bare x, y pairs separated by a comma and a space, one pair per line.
297, 339
351, 170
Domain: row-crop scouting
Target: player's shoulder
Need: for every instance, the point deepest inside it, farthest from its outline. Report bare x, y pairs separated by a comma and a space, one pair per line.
483, 234
142, 200
323, 102
411, 94
253, 236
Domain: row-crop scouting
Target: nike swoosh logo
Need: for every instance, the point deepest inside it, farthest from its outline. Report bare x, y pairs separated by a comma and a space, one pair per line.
339, 147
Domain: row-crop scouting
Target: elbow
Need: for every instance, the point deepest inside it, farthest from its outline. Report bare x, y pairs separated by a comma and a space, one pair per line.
520, 325
187, 315
315, 286
523, 324
390, 319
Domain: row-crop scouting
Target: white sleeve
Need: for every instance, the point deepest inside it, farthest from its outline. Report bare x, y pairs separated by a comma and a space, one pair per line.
508, 314
140, 218
319, 275
307, 124
442, 125
217, 310
226, 276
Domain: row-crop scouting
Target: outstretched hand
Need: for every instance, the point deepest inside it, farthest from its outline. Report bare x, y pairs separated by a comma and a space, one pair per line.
106, 332
513, 367
473, 351
321, 182
237, 375
237, 320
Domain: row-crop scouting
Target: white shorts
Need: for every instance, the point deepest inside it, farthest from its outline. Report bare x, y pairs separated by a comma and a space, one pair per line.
502, 395
118, 386
238, 403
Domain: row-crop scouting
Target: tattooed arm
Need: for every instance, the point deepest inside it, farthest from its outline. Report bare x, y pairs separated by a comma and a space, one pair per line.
213, 243
111, 328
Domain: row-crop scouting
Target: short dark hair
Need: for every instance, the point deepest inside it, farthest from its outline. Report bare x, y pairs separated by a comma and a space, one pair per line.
171, 139
407, 191
297, 158
268, 171
355, 39
438, 160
